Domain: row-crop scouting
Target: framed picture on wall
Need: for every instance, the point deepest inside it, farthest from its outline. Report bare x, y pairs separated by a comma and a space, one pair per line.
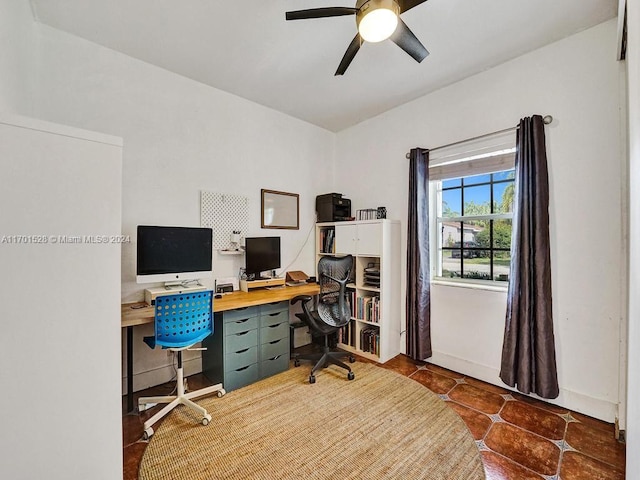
280, 210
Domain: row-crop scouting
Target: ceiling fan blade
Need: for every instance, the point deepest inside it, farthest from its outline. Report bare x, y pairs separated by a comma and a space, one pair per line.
320, 13
409, 4
407, 41
354, 46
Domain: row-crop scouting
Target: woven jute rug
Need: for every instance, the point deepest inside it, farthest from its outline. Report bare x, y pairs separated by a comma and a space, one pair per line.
379, 426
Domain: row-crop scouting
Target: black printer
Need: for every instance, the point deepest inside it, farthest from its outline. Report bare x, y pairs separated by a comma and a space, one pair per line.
331, 207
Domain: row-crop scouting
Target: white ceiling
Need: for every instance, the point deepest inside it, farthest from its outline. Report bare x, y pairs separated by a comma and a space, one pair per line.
248, 49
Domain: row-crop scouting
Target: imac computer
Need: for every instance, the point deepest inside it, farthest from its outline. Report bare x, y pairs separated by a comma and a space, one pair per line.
262, 254
173, 255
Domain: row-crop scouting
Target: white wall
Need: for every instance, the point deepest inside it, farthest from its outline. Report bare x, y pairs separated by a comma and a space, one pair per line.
16, 45
577, 81
181, 137
633, 373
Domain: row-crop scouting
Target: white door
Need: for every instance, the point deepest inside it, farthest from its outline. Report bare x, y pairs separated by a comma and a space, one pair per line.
60, 295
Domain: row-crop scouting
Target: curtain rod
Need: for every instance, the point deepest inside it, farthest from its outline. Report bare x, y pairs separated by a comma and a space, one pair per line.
547, 120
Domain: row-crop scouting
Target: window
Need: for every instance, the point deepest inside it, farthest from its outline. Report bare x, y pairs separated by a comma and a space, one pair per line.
473, 226
472, 189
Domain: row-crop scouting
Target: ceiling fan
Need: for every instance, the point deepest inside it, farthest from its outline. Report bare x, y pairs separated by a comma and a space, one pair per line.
376, 20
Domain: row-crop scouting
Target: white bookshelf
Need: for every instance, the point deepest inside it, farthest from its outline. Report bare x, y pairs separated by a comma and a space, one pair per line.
372, 243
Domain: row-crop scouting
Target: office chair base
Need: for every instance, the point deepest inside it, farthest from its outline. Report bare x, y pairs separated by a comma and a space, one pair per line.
350, 376
325, 359
181, 398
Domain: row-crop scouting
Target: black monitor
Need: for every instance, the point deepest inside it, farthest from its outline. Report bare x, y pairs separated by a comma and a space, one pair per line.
173, 254
261, 254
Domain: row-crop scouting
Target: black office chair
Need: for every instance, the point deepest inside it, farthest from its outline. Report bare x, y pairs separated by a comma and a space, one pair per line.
330, 314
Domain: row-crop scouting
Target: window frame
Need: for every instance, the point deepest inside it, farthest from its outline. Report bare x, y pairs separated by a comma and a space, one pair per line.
436, 241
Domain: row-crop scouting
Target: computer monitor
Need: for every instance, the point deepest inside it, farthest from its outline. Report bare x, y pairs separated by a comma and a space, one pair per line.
261, 254
173, 254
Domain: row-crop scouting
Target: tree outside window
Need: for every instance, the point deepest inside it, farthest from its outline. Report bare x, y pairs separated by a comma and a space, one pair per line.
474, 225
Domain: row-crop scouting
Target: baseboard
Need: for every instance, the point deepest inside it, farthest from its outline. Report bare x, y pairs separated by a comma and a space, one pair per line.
160, 375
578, 402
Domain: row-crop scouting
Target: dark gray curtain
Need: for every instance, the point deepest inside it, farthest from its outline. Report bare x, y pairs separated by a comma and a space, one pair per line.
528, 351
418, 281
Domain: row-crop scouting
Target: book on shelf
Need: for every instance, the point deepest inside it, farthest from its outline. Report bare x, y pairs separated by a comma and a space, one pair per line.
327, 237
347, 334
353, 303
365, 308
367, 214
370, 340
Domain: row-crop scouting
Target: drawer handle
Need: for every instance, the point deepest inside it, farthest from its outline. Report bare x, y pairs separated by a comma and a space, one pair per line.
274, 314
242, 321
242, 351
274, 342
242, 333
243, 368
275, 326
275, 358
242, 308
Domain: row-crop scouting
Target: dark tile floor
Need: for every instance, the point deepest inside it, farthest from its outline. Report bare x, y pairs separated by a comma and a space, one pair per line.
519, 438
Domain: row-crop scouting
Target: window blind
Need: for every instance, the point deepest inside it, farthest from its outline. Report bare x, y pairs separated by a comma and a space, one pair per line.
476, 157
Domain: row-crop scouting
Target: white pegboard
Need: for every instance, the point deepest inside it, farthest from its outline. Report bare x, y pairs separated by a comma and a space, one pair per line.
224, 213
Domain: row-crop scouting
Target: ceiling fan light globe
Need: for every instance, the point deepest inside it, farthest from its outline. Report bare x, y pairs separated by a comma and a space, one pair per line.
378, 25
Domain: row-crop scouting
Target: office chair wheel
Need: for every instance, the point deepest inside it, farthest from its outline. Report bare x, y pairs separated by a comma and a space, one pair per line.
312, 379
296, 363
352, 359
206, 419
351, 376
146, 435
220, 393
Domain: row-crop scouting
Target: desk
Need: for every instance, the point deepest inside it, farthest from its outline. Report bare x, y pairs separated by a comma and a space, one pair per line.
132, 316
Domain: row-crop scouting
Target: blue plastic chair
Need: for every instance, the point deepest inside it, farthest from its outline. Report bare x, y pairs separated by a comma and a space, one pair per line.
181, 321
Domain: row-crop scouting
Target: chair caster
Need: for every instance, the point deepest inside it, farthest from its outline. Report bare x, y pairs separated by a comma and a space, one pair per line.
221, 393
351, 376
312, 379
146, 435
206, 419
296, 363
352, 359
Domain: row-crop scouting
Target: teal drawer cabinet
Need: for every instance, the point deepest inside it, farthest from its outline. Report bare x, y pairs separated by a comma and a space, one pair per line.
274, 338
248, 344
